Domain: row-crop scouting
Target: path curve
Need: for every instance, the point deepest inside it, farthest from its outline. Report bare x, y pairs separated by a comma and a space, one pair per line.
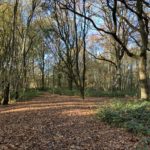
52, 122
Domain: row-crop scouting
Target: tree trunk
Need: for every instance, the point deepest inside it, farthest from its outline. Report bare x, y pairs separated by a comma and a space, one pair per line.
131, 78
119, 80
59, 80
6, 94
53, 80
43, 67
24, 73
16, 95
43, 80
82, 91
144, 94
143, 27
17, 91
70, 83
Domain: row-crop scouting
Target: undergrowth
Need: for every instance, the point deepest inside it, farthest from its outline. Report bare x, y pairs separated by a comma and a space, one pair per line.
91, 92
64, 91
133, 116
29, 94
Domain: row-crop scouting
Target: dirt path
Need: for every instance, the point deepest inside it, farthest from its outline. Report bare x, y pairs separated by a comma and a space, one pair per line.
59, 123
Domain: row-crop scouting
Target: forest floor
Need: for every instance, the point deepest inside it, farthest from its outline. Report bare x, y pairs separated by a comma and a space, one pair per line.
53, 122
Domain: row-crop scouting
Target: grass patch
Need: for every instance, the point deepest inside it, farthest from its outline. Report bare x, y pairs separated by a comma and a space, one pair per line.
133, 116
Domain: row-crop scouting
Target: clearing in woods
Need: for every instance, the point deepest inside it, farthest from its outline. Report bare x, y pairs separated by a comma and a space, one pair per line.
53, 122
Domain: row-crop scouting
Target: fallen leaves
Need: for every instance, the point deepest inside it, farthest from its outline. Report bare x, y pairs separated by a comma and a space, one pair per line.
56, 122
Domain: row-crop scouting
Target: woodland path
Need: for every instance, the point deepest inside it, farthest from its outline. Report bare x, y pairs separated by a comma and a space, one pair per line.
52, 122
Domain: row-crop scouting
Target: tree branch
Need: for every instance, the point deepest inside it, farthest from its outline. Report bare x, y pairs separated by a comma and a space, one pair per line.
103, 58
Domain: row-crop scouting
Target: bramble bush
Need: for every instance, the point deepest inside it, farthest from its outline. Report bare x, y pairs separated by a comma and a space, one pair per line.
133, 116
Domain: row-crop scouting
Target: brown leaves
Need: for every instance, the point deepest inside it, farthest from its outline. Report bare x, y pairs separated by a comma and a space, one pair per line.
59, 122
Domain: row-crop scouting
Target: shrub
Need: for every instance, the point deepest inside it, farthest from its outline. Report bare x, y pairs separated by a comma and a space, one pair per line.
29, 94
134, 116
90, 92
64, 91
143, 144
100, 93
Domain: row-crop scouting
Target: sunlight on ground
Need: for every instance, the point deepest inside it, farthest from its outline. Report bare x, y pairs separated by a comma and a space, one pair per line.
30, 106
78, 112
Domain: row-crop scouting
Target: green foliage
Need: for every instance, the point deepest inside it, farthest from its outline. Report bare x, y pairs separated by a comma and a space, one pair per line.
65, 91
100, 93
29, 94
143, 144
90, 92
43, 89
134, 116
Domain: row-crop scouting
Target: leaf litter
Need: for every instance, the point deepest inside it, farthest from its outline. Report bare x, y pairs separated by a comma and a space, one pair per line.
53, 122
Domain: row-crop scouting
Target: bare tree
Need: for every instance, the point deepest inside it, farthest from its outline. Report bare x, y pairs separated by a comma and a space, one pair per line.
138, 10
